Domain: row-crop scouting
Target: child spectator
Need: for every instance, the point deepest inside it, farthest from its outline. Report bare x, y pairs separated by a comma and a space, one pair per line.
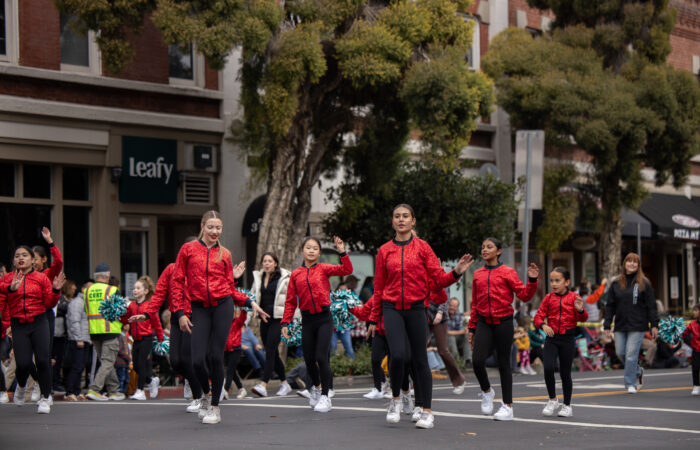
522, 341
691, 336
536, 341
123, 361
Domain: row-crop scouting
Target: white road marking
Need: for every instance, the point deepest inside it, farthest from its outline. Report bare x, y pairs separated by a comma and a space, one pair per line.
582, 386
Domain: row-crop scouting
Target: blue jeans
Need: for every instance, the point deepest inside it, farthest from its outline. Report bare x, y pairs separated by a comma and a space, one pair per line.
123, 375
345, 338
627, 345
434, 361
256, 358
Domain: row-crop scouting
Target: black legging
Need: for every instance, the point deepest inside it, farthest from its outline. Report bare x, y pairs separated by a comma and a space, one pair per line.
57, 354
32, 340
316, 332
143, 364
209, 335
181, 356
380, 349
408, 326
271, 332
696, 368
486, 338
231, 360
4, 351
77, 357
561, 345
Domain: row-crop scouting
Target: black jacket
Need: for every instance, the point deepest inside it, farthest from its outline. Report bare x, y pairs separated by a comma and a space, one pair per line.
632, 312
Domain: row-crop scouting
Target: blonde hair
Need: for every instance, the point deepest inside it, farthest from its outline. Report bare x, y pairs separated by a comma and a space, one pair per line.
211, 214
148, 284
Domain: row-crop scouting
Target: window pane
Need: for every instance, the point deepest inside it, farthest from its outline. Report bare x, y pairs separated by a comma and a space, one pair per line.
74, 46
7, 179
76, 242
76, 183
3, 29
21, 225
37, 181
180, 62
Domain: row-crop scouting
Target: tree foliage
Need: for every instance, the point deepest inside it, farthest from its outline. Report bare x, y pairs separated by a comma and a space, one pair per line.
314, 72
599, 79
454, 213
560, 205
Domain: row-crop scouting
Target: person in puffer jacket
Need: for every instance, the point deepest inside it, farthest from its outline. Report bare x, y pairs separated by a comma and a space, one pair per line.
561, 309
491, 322
310, 289
405, 267
27, 296
204, 277
78, 331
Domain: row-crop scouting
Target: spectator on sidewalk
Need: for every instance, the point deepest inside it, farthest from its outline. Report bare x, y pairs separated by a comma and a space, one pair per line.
253, 350
456, 332
78, 332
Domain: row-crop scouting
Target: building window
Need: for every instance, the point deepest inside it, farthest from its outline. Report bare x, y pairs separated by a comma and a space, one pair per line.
473, 57
36, 181
7, 180
8, 30
186, 65
78, 51
76, 183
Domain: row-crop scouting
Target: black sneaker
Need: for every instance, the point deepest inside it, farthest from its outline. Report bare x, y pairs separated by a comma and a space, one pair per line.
639, 378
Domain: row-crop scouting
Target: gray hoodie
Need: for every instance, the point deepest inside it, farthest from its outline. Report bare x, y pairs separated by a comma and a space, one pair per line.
76, 320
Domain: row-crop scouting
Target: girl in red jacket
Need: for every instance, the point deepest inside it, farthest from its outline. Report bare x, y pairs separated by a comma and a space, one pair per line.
380, 349
142, 333
405, 267
26, 295
491, 322
309, 284
233, 354
562, 310
204, 277
691, 336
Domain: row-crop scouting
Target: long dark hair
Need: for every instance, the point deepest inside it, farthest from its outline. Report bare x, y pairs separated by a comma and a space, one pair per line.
274, 257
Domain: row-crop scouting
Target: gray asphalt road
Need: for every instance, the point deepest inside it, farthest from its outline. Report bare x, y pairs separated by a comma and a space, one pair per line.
662, 414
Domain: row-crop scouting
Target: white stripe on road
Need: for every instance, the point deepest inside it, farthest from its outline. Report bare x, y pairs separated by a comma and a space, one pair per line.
482, 417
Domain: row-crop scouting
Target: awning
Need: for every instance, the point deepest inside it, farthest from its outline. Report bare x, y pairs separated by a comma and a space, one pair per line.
253, 216
672, 216
633, 223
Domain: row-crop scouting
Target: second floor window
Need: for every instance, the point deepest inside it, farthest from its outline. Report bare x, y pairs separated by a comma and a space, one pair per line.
181, 62
3, 28
75, 47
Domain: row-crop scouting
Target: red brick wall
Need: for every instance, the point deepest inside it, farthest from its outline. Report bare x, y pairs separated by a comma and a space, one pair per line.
682, 51
211, 78
534, 16
150, 61
39, 34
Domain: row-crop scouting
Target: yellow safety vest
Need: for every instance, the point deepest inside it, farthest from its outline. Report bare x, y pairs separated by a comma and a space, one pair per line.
93, 296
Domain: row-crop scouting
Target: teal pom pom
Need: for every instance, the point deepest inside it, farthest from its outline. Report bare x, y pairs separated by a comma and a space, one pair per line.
294, 332
341, 302
113, 308
162, 348
248, 294
671, 329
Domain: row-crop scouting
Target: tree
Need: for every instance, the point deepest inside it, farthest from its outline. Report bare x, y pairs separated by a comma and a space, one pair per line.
314, 72
600, 79
454, 214
560, 206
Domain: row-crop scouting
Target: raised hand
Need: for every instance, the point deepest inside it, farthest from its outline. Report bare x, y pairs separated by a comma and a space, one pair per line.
46, 233
239, 269
59, 281
533, 271
16, 281
464, 262
339, 245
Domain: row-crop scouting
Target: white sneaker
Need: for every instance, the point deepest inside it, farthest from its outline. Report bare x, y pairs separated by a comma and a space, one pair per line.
284, 389
323, 405
505, 412
393, 414
138, 395
523, 370
331, 393
487, 401
194, 406
696, 391
259, 390
417, 411
187, 391
51, 400
36, 393
386, 388
118, 396
459, 390
315, 396
631, 390
223, 396
566, 411
18, 398
4, 398
204, 404
212, 416
153, 388
374, 394
241, 393
531, 371
426, 421
550, 408
43, 406
406, 403
305, 393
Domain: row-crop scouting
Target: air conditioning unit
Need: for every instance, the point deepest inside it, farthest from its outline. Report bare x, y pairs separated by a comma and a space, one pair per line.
201, 157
